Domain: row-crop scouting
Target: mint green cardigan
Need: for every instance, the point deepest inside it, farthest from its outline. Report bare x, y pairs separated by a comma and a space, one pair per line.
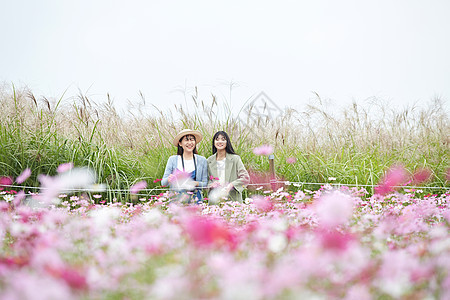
235, 173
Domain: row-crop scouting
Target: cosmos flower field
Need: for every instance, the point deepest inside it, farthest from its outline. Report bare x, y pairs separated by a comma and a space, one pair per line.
83, 214
333, 243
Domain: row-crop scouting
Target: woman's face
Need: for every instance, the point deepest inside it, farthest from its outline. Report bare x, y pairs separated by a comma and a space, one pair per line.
188, 143
220, 142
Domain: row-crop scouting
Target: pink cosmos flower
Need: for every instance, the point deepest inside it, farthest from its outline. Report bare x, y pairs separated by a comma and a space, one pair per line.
334, 240
395, 177
334, 209
182, 181
206, 231
179, 175
300, 195
263, 204
74, 279
291, 160
446, 215
77, 178
18, 198
14, 261
134, 189
23, 285
5, 181
64, 167
358, 292
157, 180
23, 176
50, 187
421, 175
395, 271
263, 150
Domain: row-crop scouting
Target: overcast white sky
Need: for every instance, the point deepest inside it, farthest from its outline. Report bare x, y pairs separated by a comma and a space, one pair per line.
396, 50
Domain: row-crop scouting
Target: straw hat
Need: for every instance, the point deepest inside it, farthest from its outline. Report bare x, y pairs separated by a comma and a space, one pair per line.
196, 133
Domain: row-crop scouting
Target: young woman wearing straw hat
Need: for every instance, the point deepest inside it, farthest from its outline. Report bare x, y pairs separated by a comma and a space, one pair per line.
228, 175
187, 162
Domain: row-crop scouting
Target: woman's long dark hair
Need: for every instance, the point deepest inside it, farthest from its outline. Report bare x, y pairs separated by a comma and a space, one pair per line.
229, 148
180, 149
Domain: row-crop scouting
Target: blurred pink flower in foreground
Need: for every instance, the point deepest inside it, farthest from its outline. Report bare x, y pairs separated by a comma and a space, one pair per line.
395, 272
64, 167
446, 215
334, 209
447, 175
421, 175
358, 292
334, 240
135, 188
72, 277
182, 181
218, 194
263, 203
206, 231
5, 181
19, 197
291, 160
229, 251
263, 150
72, 180
23, 176
395, 177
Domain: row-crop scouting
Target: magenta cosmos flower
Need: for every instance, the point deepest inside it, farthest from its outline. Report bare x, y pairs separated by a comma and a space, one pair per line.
394, 178
64, 167
23, 176
263, 150
135, 188
291, 160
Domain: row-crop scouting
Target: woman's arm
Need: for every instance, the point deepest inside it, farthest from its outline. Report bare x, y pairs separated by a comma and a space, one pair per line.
213, 181
168, 171
242, 175
203, 180
210, 181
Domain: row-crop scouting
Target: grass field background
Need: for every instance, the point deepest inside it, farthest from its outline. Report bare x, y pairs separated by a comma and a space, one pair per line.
355, 144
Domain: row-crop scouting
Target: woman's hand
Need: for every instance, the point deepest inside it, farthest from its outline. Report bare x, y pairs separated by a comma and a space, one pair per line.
171, 177
214, 185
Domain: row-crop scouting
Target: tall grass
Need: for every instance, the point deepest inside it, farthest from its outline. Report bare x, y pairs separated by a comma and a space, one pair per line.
355, 144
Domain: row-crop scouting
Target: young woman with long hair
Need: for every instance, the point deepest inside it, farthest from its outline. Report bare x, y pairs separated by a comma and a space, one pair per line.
225, 168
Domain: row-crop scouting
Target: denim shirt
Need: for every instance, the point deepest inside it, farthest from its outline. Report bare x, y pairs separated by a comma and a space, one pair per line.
202, 170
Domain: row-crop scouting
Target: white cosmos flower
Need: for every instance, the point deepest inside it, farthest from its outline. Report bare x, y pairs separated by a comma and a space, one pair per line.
277, 242
248, 200
218, 194
8, 198
69, 181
